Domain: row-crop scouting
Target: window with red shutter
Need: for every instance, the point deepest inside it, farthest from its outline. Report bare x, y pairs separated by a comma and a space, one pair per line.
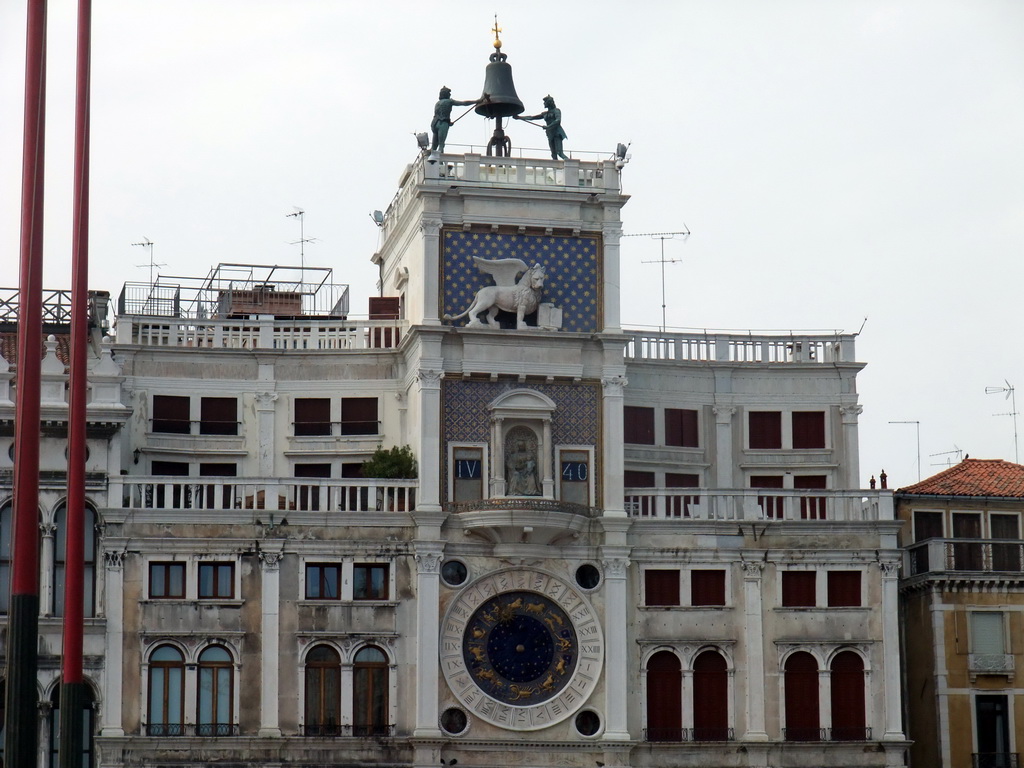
710, 697
312, 416
811, 507
684, 504
218, 416
844, 589
773, 507
765, 430
802, 710
661, 587
798, 589
638, 423
848, 714
639, 505
681, 428
664, 698
809, 429
171, 414
359, 416
707, 587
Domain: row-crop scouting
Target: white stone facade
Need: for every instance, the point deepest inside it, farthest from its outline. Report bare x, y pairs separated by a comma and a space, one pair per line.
619, 549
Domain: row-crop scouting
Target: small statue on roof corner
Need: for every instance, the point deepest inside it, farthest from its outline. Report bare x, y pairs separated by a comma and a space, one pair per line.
552, 117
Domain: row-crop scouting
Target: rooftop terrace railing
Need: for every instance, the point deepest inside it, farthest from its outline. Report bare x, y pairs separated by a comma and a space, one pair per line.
696, 346
983, 556
265, 332
758, 504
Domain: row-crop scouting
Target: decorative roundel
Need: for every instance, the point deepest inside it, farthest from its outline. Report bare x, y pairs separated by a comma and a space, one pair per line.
521, 649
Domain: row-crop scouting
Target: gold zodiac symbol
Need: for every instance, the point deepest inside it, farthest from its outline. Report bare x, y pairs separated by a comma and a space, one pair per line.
523, 692
478, 653
548, 684
535, 608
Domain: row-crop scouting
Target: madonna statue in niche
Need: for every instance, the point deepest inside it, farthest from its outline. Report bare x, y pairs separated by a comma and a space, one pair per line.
521, 477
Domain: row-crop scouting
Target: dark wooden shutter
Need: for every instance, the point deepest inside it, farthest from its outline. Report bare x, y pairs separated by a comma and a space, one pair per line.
171, 414
802, 710
684, 504
843, 588
638, 424
664, 698
707, 587
359, 416
773, 506
809, 429
661, 587
798, 589
312, 416
681, 428
638, 505
384, 308
927, 525
710, 697
1005, 557
765, 430
967, 556
848, 716
218, 416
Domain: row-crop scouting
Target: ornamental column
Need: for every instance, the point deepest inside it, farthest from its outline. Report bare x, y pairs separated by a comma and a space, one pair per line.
851, 446
113, 651
46, 585
610, 234
753, 641
891, 651
270, 629
265, 426
429, 494
616, 618
723, 446
548, 483
613, 438
431, 289
428, 630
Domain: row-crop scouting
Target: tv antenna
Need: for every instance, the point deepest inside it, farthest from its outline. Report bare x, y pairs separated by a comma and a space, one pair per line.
918, 425
1008, 389
301, 242
663, 236
948, 462
148, 245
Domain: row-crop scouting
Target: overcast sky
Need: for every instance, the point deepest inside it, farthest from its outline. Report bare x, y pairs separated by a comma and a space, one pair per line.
835, 161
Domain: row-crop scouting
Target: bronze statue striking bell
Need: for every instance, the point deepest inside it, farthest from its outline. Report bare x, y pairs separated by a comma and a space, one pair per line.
500, 98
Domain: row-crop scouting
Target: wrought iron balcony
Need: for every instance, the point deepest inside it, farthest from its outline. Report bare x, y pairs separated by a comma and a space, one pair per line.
966, 555
995, 760
678, 735
334, 730
202, 730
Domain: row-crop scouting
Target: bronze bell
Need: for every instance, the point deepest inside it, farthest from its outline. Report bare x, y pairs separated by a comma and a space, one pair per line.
500, 97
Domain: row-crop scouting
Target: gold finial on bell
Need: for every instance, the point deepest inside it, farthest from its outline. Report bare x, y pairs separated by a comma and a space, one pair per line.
496, 29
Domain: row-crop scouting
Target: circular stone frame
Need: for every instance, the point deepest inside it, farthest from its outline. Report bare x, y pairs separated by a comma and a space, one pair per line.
462, 630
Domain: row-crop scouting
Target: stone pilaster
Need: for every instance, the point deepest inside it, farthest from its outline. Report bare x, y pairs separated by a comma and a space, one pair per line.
753, 641
616, 619
430, 228
723, 446
270, 628
891, 650
113, 661
851, 446
613, 437
428, 629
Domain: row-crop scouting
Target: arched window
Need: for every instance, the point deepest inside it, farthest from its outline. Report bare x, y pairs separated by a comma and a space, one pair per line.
710, 697
86, 723
216, 696
60, 549
848, 717
802, 711
370, 693
166, 686
664, 697
323, 692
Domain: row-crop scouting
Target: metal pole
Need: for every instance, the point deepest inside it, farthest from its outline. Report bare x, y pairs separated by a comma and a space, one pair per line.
21, 743
72, 689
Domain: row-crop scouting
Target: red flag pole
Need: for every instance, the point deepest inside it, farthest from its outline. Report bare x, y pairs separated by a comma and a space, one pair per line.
72, 690
21, 718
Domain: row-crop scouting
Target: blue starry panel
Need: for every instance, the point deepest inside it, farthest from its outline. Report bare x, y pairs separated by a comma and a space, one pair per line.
576, 420
572, 264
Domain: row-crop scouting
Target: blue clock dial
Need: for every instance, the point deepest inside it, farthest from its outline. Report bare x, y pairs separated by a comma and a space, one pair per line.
520, 647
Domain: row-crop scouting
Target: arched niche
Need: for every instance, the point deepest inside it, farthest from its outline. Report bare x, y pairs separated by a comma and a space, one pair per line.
521, 444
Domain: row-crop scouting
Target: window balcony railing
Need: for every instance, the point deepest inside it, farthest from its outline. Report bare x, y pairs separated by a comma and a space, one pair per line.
990, 663
849, 733
331, 731
202, 730
966, 555
291, 494
805, 734
677, 735
995, 760
758, 504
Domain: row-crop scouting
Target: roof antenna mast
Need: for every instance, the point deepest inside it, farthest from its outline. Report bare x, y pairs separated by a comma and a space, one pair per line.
663, 236
148, 245
1008, 389
301, 242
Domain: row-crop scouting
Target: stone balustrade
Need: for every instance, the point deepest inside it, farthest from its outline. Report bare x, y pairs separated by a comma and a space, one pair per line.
646, 346
764, 504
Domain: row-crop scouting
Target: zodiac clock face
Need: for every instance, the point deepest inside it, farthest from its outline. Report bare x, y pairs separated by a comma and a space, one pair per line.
521, 649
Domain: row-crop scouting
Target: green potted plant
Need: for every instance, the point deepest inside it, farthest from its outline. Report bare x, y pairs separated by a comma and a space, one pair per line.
395, 463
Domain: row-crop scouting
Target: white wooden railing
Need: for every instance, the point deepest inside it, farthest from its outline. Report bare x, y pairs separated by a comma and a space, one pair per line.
265, 332
741, 348
765, 504
236, 493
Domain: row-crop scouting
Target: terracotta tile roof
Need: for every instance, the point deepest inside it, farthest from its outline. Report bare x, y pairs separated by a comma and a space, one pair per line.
9, 347
973, 477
